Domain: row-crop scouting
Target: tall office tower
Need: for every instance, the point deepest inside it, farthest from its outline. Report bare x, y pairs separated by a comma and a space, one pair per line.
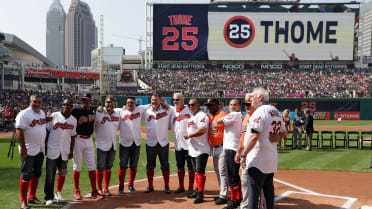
80, 35
55, 33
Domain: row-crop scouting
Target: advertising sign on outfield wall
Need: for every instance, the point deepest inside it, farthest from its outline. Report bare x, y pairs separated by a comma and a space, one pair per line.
347, 115
321, 116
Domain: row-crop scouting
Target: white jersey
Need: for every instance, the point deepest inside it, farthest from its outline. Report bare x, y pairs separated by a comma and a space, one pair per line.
157, 125
130, 126
33, 125
60, 131
200, 144
265, 120
233, 128
106, 127
180, 119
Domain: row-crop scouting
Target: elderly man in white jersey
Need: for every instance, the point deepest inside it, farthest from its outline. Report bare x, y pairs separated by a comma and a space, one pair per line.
158, 123
31, 131
197, 134
130, 142
60, 146
181, 117
231, 138
260, 155
106, 126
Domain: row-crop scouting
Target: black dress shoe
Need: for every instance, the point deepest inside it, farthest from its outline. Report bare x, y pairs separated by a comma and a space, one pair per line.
167, 190
199, 197
192, 194
131, 188
35, 201
149, 189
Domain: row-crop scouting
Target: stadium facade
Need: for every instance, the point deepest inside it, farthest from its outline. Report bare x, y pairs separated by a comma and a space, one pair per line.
55, 33
81, 35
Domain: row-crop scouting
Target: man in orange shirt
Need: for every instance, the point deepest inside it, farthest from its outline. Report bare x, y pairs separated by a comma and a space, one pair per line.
215, 137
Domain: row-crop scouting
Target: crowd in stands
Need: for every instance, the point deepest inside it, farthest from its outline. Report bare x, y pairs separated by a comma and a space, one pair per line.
13, 101
328, 83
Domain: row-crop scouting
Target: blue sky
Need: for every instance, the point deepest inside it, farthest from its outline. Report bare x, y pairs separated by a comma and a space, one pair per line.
27, 20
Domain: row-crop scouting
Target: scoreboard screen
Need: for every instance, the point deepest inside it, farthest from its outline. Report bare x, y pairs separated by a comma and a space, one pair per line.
196, 33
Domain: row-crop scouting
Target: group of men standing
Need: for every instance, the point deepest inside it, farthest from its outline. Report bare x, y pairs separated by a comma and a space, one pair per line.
68, 135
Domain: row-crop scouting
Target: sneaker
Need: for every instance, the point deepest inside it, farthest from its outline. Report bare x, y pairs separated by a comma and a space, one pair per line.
121, 190
167, 190
179, 190
131, 188
49, 202
24, 205
58, 197
107, 193
149, 189
35, 201
77, 195
100, 192
230, 205
96, 195
220, 201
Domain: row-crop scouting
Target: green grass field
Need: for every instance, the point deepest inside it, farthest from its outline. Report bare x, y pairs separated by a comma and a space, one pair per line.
318, 159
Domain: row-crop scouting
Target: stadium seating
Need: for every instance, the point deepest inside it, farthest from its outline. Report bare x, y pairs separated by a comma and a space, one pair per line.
366, 137
340, 136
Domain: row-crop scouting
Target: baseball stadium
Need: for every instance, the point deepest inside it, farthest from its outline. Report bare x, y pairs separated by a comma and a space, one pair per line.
267, 103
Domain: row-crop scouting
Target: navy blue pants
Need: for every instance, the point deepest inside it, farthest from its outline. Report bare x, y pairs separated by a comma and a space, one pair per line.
130, 154
257, 181
182, 156
31, 166
160, 151
232, 168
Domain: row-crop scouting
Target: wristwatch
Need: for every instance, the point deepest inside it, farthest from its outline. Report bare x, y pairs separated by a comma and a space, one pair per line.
243, 156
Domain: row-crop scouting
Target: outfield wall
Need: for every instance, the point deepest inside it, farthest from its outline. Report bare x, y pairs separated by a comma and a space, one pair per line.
323, 109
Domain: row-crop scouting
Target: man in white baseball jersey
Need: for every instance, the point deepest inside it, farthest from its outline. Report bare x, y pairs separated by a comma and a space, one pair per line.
106, 126
158, 123
31, 131
197, 134
60, 145
260, 154
130, 142
231, 137
84, 147
181, 117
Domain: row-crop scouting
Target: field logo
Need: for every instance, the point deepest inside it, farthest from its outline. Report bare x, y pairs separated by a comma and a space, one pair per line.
239, 31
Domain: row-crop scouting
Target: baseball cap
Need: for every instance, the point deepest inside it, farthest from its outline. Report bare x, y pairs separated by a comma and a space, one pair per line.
212, 101
86, 96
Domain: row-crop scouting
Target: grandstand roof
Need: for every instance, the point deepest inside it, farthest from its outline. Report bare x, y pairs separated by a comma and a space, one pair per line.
23, 52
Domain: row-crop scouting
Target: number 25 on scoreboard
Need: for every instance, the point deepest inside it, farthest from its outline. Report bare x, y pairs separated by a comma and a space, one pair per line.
188, 40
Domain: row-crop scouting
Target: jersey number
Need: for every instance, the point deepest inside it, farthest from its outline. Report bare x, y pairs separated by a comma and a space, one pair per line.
189, 39
276, 127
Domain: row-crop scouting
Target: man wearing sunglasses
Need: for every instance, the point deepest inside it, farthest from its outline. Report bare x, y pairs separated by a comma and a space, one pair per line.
158, 122
106, 126
84, 147
180, 119
31, 131
197, 135
60, 145
215, 137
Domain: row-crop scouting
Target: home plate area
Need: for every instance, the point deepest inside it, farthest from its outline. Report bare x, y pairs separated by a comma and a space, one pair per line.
294, 189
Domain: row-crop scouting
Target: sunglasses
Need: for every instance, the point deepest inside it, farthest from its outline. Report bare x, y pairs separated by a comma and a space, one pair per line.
109, 102
66, 104
247, 104
176, 100
192, 105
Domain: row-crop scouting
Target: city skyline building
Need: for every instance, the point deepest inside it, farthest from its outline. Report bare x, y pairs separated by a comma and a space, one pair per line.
81, 35
55, 33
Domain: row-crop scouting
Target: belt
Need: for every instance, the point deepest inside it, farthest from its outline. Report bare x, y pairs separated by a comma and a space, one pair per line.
220, 145
84, 137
